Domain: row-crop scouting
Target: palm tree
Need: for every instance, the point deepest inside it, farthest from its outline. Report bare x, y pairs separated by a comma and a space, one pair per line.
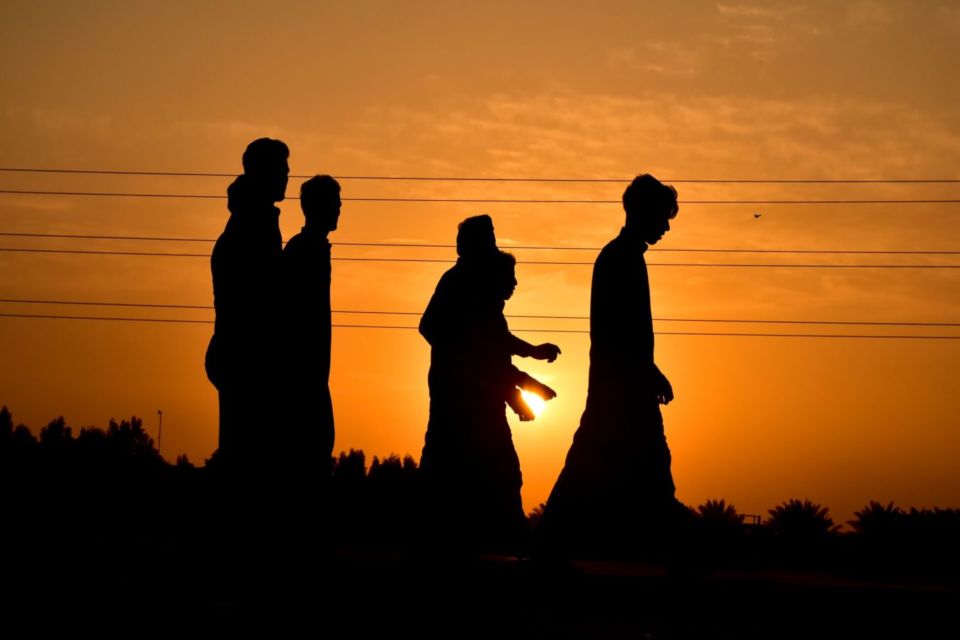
879, 520
720, 516
801, 520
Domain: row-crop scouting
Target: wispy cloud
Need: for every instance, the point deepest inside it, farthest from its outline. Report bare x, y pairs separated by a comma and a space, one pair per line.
949, 15
667, 58
754, 10
869, 14
763, 29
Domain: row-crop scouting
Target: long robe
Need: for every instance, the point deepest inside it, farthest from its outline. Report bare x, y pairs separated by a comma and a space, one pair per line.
469, 467
616, 487
243, 357
309, 407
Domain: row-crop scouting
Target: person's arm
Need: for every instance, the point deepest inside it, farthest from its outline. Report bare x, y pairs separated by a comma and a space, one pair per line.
528, 383
662, 386
441, 312
429, 321
516, 402
519, 347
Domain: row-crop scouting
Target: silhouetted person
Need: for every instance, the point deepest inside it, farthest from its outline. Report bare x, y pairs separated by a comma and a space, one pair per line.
469, 466
493, 479
244, 354
444, 321
307, 274
616, 490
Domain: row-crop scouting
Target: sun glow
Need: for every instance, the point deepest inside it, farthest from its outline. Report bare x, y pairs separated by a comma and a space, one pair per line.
535, 402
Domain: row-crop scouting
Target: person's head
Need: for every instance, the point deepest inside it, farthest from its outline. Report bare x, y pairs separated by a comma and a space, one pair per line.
320, 201
475, 237
503, 275
265, 163
650, 205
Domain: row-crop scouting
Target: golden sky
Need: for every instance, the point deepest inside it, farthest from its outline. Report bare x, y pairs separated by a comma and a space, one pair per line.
685, 90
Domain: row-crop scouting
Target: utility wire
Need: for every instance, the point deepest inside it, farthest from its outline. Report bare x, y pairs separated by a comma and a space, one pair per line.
483, 200
368, 326
423, 245
520, 316
504, 179
527, 262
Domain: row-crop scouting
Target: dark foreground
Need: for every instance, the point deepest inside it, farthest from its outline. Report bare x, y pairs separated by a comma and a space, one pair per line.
410, 595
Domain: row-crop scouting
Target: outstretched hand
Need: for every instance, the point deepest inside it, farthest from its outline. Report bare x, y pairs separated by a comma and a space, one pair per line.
535, 386
516, 402
662, 387
546, 351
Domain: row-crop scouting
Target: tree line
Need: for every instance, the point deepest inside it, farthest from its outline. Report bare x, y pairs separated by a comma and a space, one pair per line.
107, 493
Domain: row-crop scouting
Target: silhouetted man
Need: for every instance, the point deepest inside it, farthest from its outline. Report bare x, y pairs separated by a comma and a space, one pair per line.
469, 464
449, 324
616, 489
450, 312
243, 357
453, 300
307, 273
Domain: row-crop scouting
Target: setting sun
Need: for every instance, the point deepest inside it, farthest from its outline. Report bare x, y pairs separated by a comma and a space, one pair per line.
535, 402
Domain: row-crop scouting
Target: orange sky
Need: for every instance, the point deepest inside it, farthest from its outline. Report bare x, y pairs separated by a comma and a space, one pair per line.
684, 90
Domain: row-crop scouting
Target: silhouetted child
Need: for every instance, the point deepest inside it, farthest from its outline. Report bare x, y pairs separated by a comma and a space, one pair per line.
495, 285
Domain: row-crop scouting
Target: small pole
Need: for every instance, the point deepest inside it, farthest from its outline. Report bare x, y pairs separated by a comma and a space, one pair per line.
160, 433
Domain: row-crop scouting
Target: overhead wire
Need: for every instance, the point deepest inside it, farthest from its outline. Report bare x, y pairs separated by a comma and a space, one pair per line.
499, 178
147, 305
426, 245
519, 330
115, 194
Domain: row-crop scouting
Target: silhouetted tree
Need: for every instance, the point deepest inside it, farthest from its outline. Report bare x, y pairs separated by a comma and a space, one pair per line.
391, 499
802, 534
128, 439
719, 532
350, 468
23, 438
6, 425
409, 464
717, 515
534, 516
349, 496
16, 443
56, 435
801, 520
879, 521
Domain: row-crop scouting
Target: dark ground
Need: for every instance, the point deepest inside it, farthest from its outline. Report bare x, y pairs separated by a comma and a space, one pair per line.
404, 595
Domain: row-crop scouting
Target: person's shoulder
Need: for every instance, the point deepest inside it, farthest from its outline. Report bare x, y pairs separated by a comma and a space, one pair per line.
228, 241
451, 276
612, 251
450, 281
294, 244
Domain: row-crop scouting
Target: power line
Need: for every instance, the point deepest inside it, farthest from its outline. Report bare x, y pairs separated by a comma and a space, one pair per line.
88, 303
106, 253
369, 326
505, 179
519, 316
484, 200
77, 236
424, 245
525, 262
